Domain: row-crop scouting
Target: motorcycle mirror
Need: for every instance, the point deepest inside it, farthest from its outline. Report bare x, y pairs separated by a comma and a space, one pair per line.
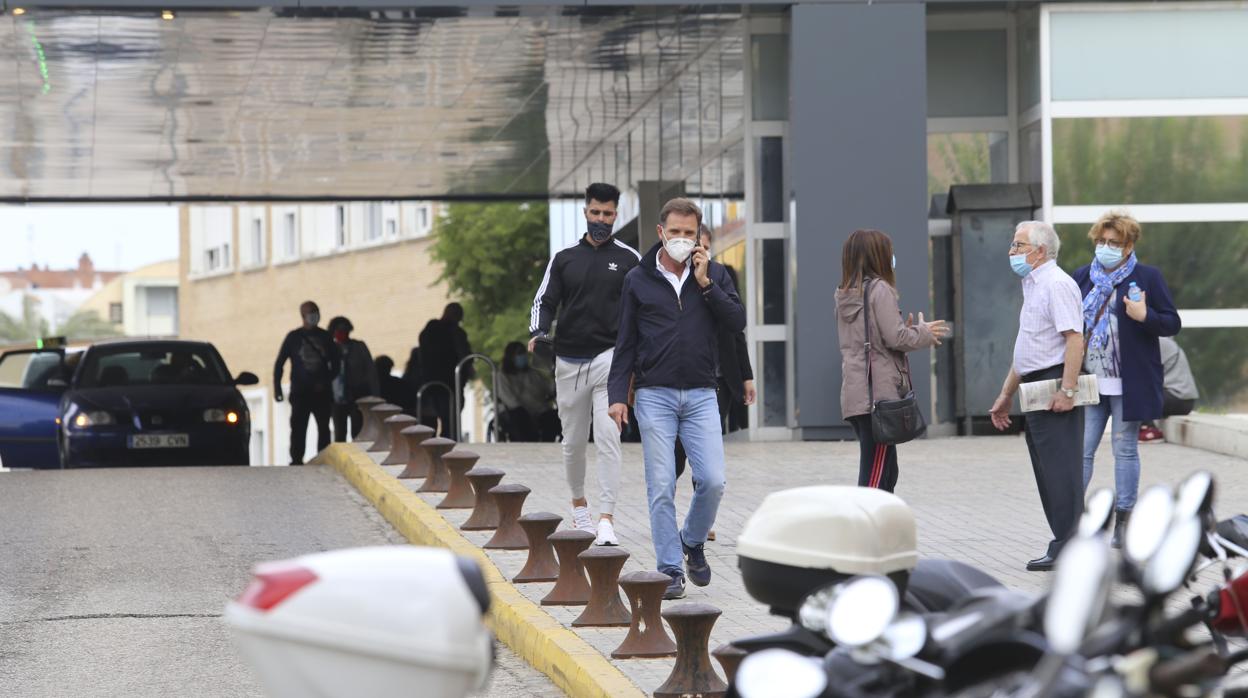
777, 673
1195, 495
1080, 591
905, 637
861, 610
1097, 513
1149, 521
1174, 558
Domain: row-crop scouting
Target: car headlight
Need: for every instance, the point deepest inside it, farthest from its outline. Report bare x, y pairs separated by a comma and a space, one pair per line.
93, 418
220, 415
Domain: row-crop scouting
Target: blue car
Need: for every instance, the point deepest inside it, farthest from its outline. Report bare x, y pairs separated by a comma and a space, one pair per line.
124, 403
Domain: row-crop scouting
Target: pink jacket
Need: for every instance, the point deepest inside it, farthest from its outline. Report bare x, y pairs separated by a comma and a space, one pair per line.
890, 340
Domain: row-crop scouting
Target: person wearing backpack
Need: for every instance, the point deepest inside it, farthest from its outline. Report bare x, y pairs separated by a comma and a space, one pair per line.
313, 365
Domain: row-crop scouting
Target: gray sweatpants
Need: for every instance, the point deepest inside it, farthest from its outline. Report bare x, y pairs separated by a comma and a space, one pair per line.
582, 391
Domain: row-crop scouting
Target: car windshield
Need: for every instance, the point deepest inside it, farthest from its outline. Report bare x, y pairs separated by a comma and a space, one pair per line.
109, 367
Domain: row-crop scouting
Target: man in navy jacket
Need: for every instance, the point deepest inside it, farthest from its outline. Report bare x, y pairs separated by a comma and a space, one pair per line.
667, 347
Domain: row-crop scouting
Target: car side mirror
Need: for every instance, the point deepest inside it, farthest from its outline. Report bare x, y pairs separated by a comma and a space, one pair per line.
246, 378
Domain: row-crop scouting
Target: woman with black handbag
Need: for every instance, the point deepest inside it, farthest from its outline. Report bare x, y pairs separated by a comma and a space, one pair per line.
876, 396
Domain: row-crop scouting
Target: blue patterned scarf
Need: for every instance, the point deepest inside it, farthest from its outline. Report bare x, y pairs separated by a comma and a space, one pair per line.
1103, 283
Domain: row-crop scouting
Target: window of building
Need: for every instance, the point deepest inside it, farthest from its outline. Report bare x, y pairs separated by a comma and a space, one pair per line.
290, 235
115, 313
340, 226
211, 230
372, 221
251, 242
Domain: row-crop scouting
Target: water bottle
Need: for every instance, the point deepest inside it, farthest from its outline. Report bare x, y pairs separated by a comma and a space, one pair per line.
1134, 292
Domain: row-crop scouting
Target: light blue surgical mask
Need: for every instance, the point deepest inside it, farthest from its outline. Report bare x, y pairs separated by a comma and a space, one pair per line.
1108, 256
894, 261
1018, 262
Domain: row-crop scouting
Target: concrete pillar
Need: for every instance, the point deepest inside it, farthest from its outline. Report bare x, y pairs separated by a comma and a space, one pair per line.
858, 128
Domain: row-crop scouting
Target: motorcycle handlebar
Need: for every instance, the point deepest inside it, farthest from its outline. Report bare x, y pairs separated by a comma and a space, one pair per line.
1183, 621
1166, 677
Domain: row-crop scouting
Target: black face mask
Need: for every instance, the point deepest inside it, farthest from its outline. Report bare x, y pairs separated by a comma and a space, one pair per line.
600, 232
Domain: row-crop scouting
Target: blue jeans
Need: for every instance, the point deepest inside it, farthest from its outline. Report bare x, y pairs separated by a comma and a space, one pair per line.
693, 415
1125, 438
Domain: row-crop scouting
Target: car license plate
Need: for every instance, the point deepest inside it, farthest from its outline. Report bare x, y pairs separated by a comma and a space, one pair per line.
160, 441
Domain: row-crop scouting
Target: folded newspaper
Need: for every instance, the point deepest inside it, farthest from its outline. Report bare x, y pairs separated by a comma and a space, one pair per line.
1037, 396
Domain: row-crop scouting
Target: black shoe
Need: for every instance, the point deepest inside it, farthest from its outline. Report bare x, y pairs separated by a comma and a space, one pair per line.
1121, 517
675, 590
696, 565
1041, 564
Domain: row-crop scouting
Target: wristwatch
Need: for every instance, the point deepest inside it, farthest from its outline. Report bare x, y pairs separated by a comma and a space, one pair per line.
1069, 392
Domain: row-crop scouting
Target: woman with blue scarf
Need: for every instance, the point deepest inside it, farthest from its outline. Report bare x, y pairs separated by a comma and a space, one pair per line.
1126, 307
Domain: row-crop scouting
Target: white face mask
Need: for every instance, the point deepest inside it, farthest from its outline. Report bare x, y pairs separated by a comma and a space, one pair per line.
679, 249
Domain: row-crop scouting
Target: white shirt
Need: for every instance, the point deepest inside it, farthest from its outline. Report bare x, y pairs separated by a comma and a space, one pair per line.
676, 281
1106, 362
1052, 304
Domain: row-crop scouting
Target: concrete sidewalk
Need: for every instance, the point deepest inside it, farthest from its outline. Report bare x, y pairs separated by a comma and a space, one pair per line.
974, 498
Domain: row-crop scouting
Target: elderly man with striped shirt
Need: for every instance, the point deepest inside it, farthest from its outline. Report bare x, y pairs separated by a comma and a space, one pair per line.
1049, 346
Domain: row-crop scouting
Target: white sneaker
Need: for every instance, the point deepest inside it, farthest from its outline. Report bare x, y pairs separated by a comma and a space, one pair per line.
581, 520
606, 534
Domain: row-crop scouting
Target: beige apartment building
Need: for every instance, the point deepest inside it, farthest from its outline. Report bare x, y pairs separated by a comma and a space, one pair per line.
245, 269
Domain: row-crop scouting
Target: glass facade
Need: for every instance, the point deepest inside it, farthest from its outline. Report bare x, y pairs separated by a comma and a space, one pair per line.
966, 73
1150, 160
966, 158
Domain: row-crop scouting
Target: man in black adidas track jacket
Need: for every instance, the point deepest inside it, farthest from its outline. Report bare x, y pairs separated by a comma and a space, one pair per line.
583, 284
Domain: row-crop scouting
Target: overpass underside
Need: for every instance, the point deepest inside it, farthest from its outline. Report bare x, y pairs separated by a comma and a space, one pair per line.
305, 104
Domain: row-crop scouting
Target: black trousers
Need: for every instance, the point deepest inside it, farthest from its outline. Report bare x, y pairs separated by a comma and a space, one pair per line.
877, 463
342, 415
1055, 443
303, 405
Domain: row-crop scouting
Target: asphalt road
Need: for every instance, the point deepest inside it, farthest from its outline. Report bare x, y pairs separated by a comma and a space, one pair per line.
112, 582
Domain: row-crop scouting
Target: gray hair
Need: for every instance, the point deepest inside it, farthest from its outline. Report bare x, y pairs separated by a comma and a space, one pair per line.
1041, 234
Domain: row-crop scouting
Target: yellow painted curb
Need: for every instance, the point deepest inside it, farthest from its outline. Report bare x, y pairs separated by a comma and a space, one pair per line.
570, 662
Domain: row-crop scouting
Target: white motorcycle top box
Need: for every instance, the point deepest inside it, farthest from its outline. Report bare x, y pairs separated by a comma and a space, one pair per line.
365, 621
853, 530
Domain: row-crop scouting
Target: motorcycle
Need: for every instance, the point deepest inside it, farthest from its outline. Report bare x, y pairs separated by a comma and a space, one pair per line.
800, 543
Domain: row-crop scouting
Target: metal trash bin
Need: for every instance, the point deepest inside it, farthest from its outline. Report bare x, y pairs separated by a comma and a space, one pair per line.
378, 621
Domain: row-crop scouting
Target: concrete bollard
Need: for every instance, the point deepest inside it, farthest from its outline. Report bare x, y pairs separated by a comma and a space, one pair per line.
510, 502
484, 516
459, 495
439, 479
693, 674
418, 464
398, 445
571, 588
366, 405
381, 437
605, 608
646, 636
729, 657
541, 565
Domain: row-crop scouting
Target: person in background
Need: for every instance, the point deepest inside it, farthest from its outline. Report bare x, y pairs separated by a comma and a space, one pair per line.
443, 344
313, 364
1126, 308
356, 378
527, 396
867, 276
1049, 347
393, 389
1179, 386
413, 380
582, 286
672, 307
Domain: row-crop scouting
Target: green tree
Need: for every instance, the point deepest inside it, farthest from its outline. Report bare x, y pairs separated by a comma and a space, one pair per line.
86, 324
29, 327
1169, 160
493, 256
